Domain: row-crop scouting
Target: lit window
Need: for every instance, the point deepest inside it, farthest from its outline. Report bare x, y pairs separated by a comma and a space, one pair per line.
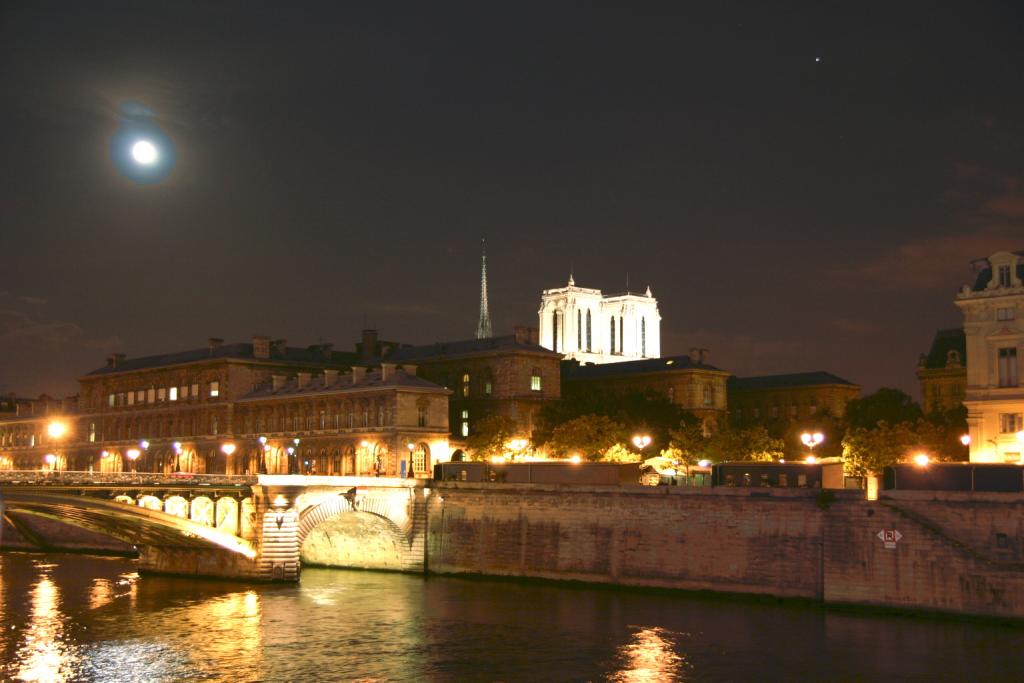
487, 388
1010, 423
140, 396
183, 392
161, 394
465, 384
151, 396
195, 391
213, 424
709, 395
465, 423
92, 431
1004, 314
111, 399
131, 398
535, 381
214, 389
172, 394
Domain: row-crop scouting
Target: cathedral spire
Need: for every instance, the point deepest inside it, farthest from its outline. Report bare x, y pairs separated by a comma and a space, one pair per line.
483, 329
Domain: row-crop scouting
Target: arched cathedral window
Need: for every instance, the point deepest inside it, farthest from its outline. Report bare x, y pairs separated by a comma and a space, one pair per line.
590, 346
612, 336
579, 329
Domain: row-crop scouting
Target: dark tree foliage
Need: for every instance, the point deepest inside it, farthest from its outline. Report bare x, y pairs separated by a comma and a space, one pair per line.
891, 406
646, 413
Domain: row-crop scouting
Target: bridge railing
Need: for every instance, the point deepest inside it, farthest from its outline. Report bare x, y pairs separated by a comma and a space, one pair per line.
67, 477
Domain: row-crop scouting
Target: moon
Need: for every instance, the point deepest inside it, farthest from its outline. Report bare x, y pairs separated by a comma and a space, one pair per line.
144, 152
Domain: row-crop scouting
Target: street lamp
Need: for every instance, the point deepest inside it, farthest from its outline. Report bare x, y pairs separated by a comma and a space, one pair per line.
50, 459
228, 448
517, 446
811, 440
133, 455
293, 457
411, 446
641, 441
921, 459
56, 429
966, 439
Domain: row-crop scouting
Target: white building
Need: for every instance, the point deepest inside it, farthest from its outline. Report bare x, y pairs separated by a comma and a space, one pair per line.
993, 310
589, 327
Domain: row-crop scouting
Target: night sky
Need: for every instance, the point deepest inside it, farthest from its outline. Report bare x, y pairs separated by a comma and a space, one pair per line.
802, 185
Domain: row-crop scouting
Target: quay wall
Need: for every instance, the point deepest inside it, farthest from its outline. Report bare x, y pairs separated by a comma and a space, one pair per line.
956, 552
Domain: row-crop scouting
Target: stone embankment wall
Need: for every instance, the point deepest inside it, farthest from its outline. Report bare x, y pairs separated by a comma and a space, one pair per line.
695, 539
960, 553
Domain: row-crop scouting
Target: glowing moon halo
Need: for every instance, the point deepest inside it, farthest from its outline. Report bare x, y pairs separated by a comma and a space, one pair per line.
144, 152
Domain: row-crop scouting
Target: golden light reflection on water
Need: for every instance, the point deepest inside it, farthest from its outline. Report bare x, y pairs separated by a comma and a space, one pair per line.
650, 656
43, 654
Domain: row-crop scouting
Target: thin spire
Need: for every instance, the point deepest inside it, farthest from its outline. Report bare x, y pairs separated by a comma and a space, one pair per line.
483, 329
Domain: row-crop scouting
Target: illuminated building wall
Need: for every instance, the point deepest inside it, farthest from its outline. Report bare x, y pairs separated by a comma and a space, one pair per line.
993, 309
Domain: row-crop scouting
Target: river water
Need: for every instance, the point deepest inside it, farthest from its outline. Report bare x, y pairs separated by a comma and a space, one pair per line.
80, 618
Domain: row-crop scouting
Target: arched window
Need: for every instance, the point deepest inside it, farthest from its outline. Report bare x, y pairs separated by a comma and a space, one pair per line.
643, 337
612, 335
554, 331
621, 319
579, 329
590, 346
465, 384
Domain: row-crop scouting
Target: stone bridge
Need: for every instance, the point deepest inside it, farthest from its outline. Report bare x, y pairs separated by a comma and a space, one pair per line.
243, 527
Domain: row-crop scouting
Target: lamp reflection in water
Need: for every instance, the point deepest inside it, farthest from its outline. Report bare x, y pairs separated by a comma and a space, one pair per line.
650, 656
44, 655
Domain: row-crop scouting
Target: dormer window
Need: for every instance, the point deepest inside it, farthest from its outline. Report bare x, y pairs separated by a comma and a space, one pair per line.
952, 357
1004, 276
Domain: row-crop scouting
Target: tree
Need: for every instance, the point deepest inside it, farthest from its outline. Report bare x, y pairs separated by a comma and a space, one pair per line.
490, 436
620, 453
589, 435
885, 405
727, 443
868, 451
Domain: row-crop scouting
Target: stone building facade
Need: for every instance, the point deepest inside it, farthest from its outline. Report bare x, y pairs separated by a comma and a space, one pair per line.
993, 307
688, 381
585, 325
942, 372
781, 399
511, 375
241, 408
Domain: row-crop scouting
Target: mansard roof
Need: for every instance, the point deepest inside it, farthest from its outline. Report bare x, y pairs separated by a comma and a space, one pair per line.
572, 370
411, 354
944, 342
317, 355
374, 379
792, 380
985, 274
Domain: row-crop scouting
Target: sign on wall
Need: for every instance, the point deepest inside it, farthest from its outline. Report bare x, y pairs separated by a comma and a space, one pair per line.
889, 538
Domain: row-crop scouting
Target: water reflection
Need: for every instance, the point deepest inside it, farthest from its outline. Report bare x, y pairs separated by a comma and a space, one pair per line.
650, 656
43, 655
93, 619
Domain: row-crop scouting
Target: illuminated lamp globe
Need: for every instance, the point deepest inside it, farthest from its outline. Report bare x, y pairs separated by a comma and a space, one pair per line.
56, 429
144, 152
703, 463
921, 460
810, 460
966, 439
50, 458
228, 448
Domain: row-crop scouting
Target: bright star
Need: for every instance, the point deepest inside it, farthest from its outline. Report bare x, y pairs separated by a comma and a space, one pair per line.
144, 152
817, 59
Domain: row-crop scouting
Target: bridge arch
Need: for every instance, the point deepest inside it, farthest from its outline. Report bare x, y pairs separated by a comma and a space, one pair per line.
366, 532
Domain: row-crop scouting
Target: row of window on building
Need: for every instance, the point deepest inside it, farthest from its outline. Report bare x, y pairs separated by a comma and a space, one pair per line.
776, 411
185, 392
487, 386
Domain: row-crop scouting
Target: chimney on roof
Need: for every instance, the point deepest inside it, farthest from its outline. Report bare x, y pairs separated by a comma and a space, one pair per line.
278, 381
215, 343
409, 369
358, 373
303, 379
115, 360
330, 377
261, 347
704, 356
281, 346
694, 354
369, 348
386, 370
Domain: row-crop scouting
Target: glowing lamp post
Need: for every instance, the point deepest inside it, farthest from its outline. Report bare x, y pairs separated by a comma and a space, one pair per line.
922, 460
518, 446
966, 439
641, 441
50, 459
133, 455
811, 440
411, 446
56, 430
